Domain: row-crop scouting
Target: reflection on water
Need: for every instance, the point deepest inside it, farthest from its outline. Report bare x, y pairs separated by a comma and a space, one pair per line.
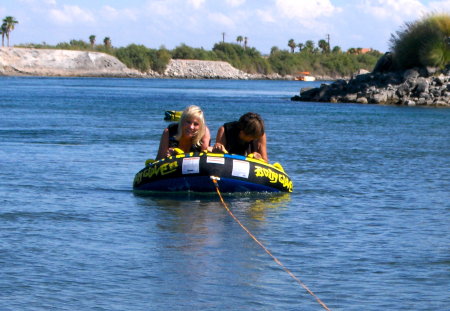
253, 204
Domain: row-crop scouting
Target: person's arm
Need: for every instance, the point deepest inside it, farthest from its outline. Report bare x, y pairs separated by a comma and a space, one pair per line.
163, 145
221, 141
262, 148
206, 139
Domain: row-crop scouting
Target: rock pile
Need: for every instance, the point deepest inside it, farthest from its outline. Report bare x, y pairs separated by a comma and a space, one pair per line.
197, 69
414, 87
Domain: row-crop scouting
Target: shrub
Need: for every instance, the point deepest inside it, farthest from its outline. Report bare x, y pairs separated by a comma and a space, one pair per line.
135, 56
425, 42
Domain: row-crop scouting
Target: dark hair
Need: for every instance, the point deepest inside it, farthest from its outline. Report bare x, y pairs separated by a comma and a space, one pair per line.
252, 124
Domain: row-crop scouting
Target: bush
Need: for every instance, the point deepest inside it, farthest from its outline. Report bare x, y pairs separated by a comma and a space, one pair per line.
425, 42
161, 58
135, 56
246, 59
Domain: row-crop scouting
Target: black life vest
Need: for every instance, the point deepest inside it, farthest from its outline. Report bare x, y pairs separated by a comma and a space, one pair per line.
173, 143
234, 144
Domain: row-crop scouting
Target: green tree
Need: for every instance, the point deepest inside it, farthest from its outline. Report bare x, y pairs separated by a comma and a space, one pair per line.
323, 45
3, 32
9, 23
92, 41
337, 50
292, 45
239, 39
107, 42
162, 58
300, 46
135, 56
245, 42
309, 46
183, 52
274, 50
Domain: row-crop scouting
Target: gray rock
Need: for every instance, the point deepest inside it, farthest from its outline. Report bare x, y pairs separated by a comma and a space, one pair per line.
384, 64
441, 103
422, 85
305, 89
441, 80
350, 97
380, 98
422, 101
362, 100
424, 95
403, 90
410, 74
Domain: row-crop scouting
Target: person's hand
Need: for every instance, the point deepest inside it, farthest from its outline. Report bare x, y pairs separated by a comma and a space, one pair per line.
170, 152
218, 147
256, 155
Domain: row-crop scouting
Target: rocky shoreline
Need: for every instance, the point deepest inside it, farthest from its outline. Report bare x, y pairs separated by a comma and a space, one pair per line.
67, 63
413, 87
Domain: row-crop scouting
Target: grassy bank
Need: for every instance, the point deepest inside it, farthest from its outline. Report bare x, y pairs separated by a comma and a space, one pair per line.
247, 59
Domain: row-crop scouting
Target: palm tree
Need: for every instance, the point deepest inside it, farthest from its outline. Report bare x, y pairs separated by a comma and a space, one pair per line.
309, 46
223, 37
274, 50
239, 39
107, 42
324, 46
337, 49
8, 25
292, 45
300, 46
245, 42
3, 32
92, 41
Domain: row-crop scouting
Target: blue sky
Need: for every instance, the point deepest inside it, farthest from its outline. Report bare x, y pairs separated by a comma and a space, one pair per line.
200, 23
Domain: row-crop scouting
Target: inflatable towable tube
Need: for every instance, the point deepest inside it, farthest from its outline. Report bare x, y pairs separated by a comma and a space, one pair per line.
193, 171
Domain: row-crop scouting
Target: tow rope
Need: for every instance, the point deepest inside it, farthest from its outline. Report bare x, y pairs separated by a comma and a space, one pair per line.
216, 184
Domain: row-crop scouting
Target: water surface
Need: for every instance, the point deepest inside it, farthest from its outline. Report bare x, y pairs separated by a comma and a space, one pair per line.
366, 227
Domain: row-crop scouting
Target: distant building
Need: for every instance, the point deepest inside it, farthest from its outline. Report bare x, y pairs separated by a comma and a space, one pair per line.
359, 50
364, 51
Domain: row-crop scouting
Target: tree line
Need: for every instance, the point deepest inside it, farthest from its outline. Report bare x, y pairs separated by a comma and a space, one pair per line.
241, 56
318, 60
425, 42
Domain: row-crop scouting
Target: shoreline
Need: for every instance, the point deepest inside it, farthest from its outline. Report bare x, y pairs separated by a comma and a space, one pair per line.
413, 87
68, 63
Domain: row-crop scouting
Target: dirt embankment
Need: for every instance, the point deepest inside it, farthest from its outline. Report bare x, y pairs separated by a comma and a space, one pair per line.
47, 62
67, 63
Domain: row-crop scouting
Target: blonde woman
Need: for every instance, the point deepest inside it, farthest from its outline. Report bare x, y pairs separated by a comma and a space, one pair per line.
190, 134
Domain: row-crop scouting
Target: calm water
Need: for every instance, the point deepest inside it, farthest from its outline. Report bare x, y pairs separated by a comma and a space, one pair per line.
367, 227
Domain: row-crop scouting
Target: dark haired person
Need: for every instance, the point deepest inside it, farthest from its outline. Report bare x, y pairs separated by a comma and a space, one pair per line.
243, 137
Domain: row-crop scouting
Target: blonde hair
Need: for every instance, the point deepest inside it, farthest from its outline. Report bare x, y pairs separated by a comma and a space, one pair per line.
192, 112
